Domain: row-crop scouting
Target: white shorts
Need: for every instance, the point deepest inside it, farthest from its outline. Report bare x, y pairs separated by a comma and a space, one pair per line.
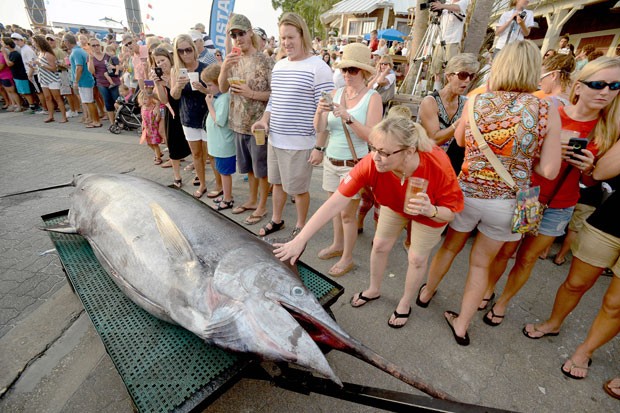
53, 85
86, 94
493, 217
194, 134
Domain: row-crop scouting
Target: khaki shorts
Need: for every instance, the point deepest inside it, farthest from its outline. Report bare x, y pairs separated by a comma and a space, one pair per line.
597, 248
289, 168
440, 56
581, 213
333, 175
423, 237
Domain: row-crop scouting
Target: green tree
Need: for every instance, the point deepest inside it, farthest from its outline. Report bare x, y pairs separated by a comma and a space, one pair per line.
310, 10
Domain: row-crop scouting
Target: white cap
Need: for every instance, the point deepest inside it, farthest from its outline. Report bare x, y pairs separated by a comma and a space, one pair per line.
17, 36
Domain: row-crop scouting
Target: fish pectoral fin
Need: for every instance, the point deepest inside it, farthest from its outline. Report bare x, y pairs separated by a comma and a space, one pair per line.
174, 240
64, 228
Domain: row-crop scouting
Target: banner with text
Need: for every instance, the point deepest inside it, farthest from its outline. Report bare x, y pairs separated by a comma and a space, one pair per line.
220, 13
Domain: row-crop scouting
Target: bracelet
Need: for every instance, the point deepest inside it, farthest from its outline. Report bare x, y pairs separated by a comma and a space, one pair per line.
436, 211
320, 148
350, 120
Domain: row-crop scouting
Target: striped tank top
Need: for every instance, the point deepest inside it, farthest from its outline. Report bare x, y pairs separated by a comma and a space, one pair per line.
46, 76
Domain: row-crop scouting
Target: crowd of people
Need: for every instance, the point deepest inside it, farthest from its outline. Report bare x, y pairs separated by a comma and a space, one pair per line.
275, 114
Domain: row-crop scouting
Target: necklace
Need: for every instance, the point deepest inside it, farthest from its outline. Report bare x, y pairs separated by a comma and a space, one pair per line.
355, 95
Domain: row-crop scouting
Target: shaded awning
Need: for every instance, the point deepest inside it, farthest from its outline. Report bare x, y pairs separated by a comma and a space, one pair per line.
365, 7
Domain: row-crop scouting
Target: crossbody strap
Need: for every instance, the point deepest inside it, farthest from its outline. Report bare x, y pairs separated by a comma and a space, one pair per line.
484, 147
343, 102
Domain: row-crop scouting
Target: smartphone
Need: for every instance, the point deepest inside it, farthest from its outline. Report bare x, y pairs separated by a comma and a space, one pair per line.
577, 145
159, 72
183, 72
149, 83
328, 97
236, 50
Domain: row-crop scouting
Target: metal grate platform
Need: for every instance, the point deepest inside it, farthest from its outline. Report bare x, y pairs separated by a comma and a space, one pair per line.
164, 367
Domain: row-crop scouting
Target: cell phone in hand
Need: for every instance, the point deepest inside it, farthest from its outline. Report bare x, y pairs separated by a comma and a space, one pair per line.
236, 50
183, 72
577, 145
328, 98
159, 72
149, 83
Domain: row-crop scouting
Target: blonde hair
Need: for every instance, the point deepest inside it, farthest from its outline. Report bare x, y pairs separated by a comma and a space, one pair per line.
462, 62
178, 62
607, 128
516, 68
295, 20
399, 111
387, 59
403, 132
211, 73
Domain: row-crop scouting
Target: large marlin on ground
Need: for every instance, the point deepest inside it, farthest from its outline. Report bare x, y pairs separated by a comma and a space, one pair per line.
187, 264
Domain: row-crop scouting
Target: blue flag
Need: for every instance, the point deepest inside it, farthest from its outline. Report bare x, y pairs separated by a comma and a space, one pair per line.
220, 13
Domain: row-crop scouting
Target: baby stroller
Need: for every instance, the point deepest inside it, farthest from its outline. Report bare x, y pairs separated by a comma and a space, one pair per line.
127, 116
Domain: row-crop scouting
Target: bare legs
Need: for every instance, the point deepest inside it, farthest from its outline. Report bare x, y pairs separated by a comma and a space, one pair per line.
199, 164
345, 235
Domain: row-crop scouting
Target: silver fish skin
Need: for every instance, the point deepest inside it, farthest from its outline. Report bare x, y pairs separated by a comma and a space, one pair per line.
188, 265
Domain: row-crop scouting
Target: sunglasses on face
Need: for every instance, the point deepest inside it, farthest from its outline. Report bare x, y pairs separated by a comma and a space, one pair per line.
600, 85
237, 34
464, 75
385, 154
218, 55
187, 50
128, 44
94, 45
351, 70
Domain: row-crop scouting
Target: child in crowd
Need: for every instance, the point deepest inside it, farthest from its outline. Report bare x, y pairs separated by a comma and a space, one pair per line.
113, 66
221, 138
125, 96
151, 122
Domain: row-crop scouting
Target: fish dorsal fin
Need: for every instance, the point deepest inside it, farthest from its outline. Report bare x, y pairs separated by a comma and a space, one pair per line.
174, 241
64, 228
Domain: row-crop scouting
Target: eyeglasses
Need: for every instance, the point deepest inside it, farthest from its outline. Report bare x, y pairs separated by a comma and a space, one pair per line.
600, 85
384, 64
237, 34
464, 75
187, 50
544, 75
128, 44
384, 154
351, 70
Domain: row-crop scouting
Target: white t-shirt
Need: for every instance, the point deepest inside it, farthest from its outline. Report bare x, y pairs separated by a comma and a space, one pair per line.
513, 30
28, 55
295, 92
451, 28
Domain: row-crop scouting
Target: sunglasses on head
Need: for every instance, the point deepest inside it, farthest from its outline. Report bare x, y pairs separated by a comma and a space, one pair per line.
464, 75
187, 50
600, 85
351, 70
383, 153
234, 35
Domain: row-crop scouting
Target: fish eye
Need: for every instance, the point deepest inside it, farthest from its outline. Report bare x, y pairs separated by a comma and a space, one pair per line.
297, 291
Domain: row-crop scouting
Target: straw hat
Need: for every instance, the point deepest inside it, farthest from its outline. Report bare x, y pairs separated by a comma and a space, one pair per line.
356, 55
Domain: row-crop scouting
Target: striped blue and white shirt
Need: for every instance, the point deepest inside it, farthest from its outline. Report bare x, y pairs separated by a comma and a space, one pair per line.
295, 92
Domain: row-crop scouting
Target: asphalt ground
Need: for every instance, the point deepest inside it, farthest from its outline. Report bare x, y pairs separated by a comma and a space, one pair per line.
51, 359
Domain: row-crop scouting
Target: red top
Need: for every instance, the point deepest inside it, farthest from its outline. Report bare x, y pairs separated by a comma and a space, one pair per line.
374, 44
443, 188
568, 193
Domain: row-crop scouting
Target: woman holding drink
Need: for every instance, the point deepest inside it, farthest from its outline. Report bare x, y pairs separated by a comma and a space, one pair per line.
401, 150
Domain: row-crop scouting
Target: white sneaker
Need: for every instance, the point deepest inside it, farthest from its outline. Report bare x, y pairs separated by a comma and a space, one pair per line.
72, 114
41, 112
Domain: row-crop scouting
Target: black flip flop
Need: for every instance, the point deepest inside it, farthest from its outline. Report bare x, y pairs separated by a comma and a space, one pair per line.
399, 315
461, 341
419, 302
489, 321
527, 333
486, 302
365, 300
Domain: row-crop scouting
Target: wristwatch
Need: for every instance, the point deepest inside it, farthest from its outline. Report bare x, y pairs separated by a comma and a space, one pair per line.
320, 148
349, 120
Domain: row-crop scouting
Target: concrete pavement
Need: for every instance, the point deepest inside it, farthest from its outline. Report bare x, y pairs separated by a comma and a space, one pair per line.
51, 360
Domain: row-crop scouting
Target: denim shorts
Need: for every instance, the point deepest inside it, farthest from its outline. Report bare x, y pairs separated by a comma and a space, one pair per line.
555, 221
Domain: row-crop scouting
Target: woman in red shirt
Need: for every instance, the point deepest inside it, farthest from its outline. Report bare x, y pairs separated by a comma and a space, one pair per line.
400, 150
